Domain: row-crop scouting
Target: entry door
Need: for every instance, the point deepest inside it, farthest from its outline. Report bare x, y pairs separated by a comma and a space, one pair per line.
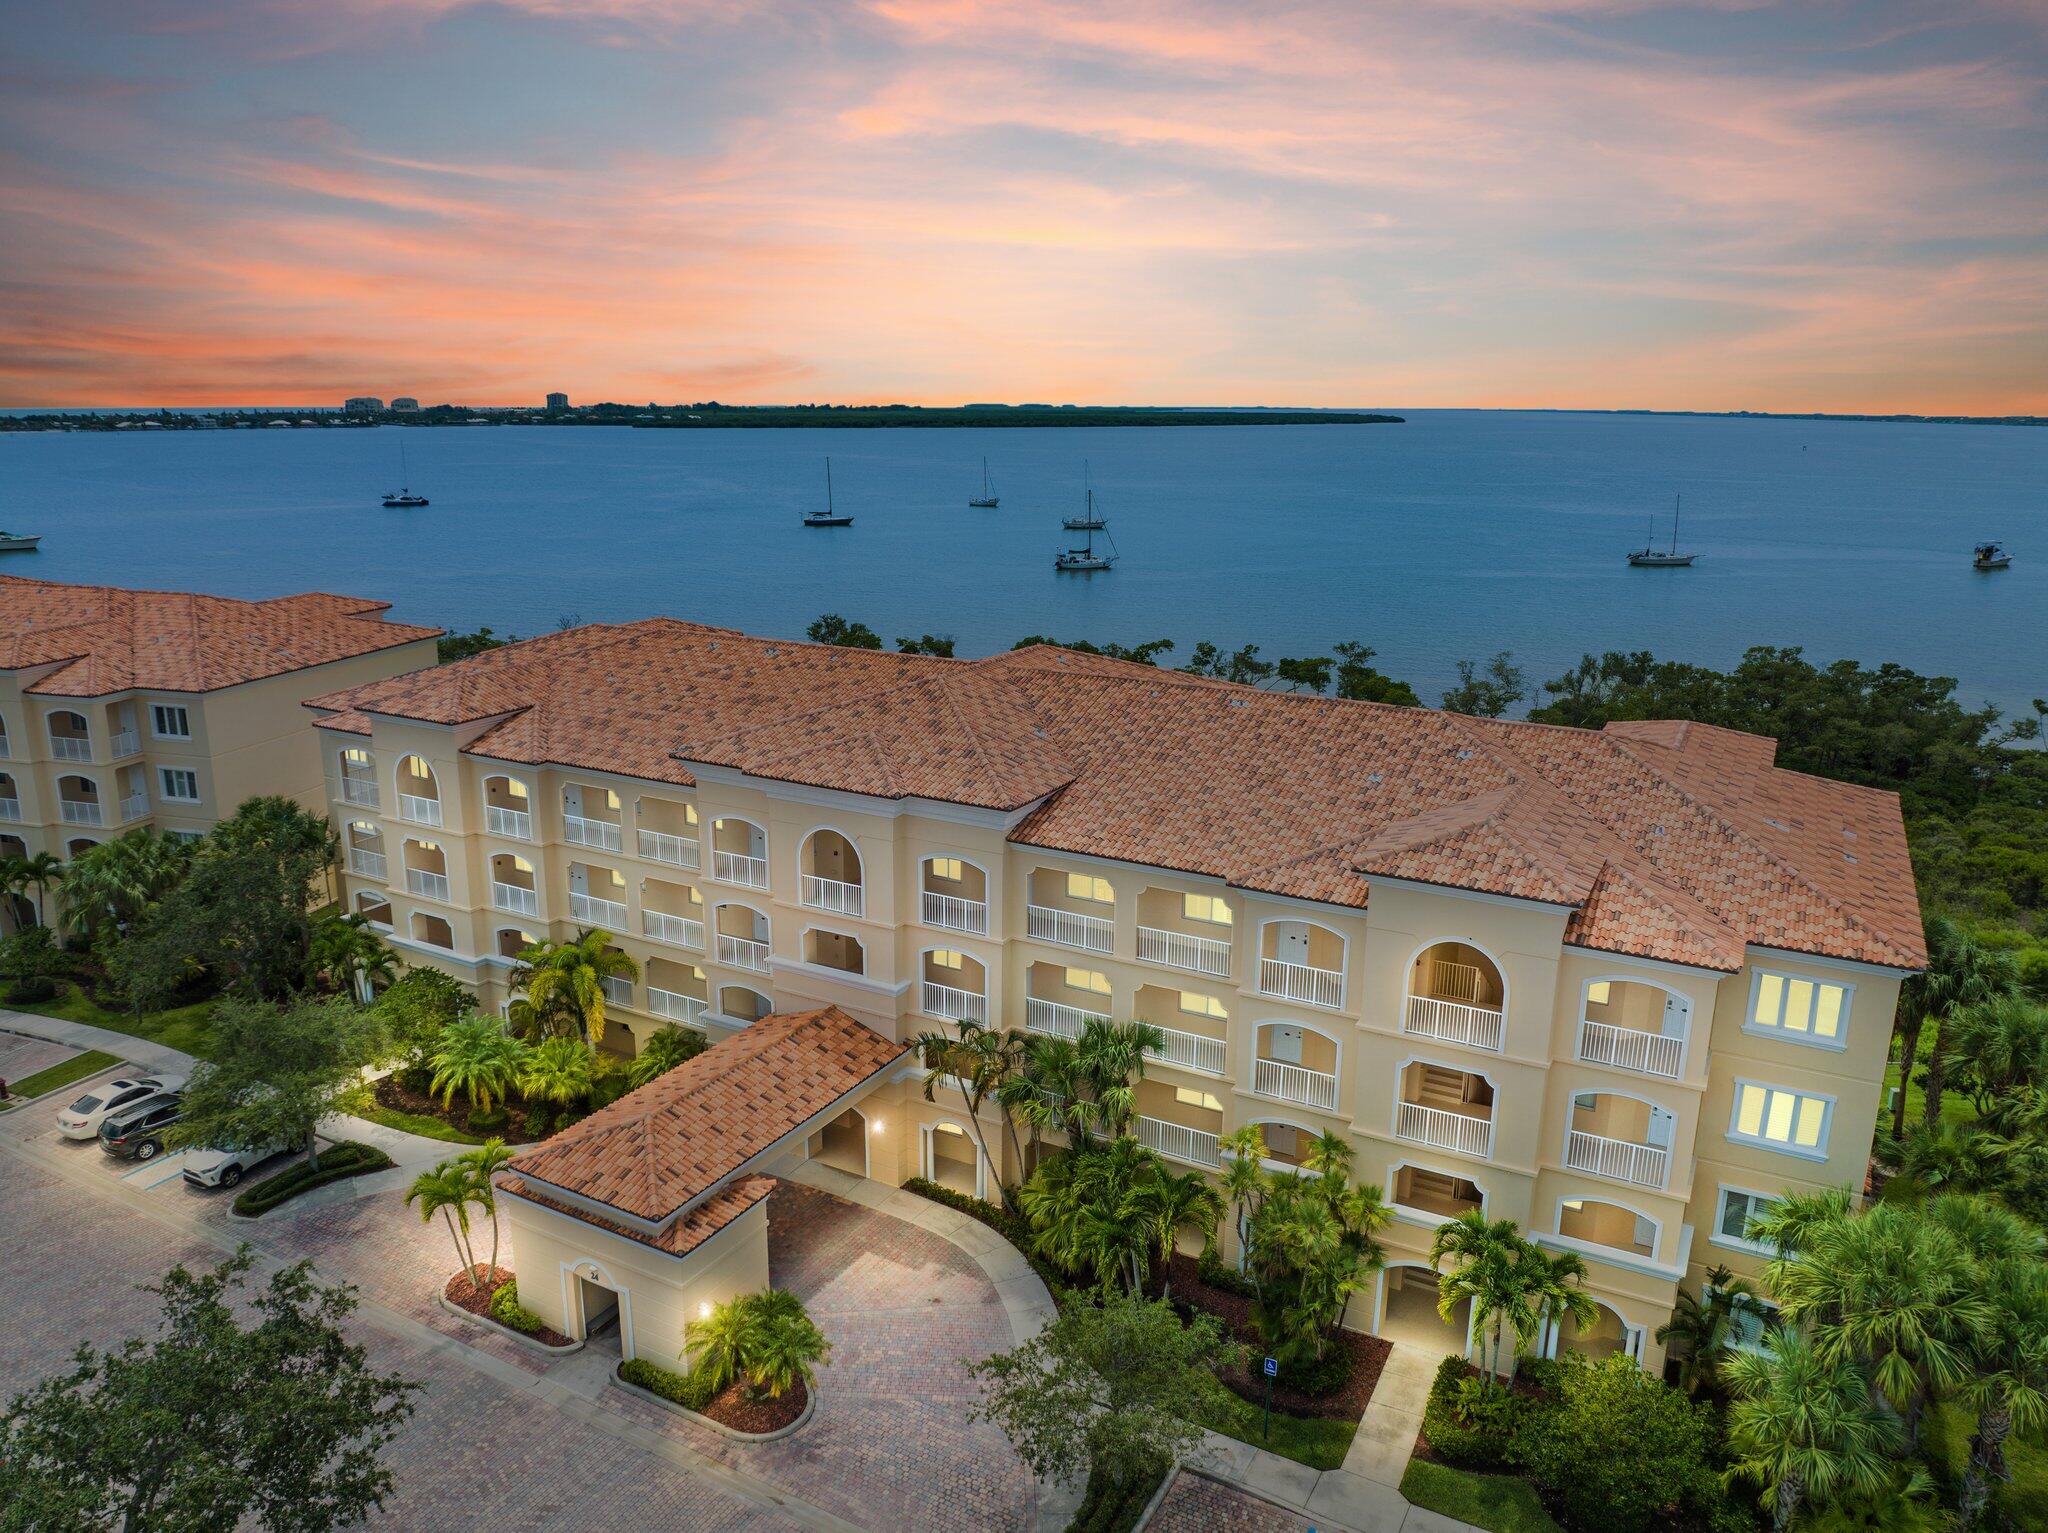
1677, 1012
1662, 1122
1290, 942
1285, 1043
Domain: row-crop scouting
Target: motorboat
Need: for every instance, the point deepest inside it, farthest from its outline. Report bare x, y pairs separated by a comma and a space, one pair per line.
19, 542
1989, 556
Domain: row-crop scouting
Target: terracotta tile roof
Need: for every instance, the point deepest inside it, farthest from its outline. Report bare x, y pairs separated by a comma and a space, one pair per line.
658, 1151
104, 639
679, 1237
1665, 838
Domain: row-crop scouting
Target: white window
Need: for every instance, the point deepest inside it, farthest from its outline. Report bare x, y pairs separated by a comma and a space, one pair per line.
1203, 1006
1205, 907
946, 958
1089, 980
1086, 886
1731, 1221
1779, 1119
186, 836
170, 722
1799, 1010
1188, 1096
1747, 1328
947, 869
179, 785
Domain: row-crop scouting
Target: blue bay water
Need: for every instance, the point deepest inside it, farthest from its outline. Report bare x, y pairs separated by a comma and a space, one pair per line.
1454, 535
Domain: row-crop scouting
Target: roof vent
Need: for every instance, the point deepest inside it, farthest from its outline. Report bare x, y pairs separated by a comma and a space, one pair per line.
770, 649
1848, 834
1240, 702
1774, 824
1656, 830
1464, 754
1373, 779
1848, 857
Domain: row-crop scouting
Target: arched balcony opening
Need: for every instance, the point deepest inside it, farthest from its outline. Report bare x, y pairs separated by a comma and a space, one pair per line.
954, 986
831, 869
677, 991
1456, 993
672, 913
666, 831
12, 846
70, 736
1607, 1224
1608, 1334
590, 817
1293, 1063
1195, 1026
1301, 961
1181, 1121
358, 778
10, 798
366, 855
1448, 1108
1636, 1026
513, 941
1442, 1193
1190, 931
1621, 1137
737, 1003
1409, 1315
419, 791
78, 801
78, 846
433, 930
1075, 910
1059, 999
426, 870
374, 907
514, 884
743, 937
508, 808
835, 950
597, 896
618, 990
6, 747
739, 853
953, 895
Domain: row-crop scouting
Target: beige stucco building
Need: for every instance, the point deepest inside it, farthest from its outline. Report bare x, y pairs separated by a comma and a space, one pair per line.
121, 708
1617, 986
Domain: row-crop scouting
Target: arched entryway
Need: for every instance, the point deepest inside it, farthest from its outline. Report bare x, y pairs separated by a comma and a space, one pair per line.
842, 1143
951, 1159
1409, 1318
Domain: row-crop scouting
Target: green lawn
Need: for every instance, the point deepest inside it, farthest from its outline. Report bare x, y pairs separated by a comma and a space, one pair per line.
1956, 1106
91, 1062
417, 1123
1318, 1443
188, 1028
1505, 1503
1945, 1443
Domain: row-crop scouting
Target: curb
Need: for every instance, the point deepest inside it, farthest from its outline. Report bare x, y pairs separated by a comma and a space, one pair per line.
1158, 1495
810, 1410
505, 1330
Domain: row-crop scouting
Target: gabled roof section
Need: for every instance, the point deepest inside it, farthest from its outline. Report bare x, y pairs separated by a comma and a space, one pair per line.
107, 639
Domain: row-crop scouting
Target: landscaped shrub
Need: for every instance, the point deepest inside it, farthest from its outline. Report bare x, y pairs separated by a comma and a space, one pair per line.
488, 1121
689, 1390
1011, 1227
507, 1310
538, 1122
1468, 1424
32, 991
1210, 1268
1113, 1506
338, 1161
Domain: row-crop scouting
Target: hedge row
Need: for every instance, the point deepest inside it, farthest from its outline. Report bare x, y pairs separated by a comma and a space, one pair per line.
688, 1390
1012, 1227
346, 1159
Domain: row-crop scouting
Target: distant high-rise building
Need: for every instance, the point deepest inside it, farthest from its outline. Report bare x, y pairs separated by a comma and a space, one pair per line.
362, 404
557, 403
405, 402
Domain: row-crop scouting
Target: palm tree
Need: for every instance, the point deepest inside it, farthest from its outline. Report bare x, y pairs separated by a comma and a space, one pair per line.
1707, 1330
13, 891
38, 873
564, 983
1490, 1273
1998, 1046
478, 1058
1170, 1203
787, 1345
106, 887
1111, 1060
1046, 1093
558, 1071
665, 1048
978, 1062
1960, 974
1556, 1281
1802, 1427
2008, 1383
347, 949
722, 1343
447, 1190
480, 1165
1792, 1220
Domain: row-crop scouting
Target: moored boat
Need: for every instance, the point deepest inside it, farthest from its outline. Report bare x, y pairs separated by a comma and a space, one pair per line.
1651, 557
19, 542
986, 500
827, 517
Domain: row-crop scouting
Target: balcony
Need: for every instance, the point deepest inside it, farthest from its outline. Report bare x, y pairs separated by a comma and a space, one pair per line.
743, 953
10, 808
676, 851
1301, 982
364, 864
1644, 1165
956, 1005
79, 811
6, 750
830, 894
515, 898
71, 747
605, 835
428, 886
134, 806
593, 911
1444, 1129
418, 810
1444, 1107
359, 790
127, 742
618, 990
1182, 950
1069, 928
1294, 1083
1193, 1051
954, 914
1053, 1018
680, 931
515, 823
1476, 1027
1627, 1048
1435, 1192
741, 868
1176, 1141
676, 1006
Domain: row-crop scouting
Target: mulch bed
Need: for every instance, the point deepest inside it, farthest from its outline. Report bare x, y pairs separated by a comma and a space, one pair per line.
477, 1301
390, 1093
731, 1408
1369, 1354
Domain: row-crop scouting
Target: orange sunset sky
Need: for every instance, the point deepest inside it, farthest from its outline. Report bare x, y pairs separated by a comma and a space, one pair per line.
1834, 204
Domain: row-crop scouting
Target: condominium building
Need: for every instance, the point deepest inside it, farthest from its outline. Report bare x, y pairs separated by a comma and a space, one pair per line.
1621, 986
122, 708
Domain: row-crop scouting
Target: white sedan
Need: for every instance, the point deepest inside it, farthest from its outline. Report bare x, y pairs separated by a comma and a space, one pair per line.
224, 1168
82, 1119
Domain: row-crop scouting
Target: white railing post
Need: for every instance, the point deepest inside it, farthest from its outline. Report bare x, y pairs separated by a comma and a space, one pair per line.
954, 913
1182, 950
1069, 929
1301, 982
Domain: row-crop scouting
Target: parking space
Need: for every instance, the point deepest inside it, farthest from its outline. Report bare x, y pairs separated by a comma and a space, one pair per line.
22, 1056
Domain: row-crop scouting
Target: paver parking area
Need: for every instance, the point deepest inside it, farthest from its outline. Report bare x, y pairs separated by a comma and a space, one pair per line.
21, 1057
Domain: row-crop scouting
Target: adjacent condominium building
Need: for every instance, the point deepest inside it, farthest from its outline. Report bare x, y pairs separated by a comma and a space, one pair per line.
123, 708
1622, 986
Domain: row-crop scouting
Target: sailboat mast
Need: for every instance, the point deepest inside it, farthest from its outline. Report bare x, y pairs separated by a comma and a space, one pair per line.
1675, 502
828, 486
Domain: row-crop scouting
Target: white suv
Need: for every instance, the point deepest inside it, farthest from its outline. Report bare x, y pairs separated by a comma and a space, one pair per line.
224, 1168
82, 1119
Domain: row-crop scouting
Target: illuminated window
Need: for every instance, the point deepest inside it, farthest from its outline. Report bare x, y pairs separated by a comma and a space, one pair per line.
1203, 1006
1205, 907
1187, 1096
611, 799
1801, 1010
1780, 1119
948, 869
1597, 993
946, 958
1089, 980
1086, 886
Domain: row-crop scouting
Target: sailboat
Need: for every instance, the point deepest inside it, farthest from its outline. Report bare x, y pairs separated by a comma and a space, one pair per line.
1649, 556
1085, 557
1090, 519
827, 517
403, 496
986, 500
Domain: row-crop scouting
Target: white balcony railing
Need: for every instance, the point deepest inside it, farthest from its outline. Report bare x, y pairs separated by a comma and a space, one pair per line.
1454, 1022
1054, 1017
680, 930
1176, 1141
516, 823
676, 1006
1301, 982
618, 990
1643, 1164
428, 886
127, 743
1180, 950
1069, 928
1294, 1083
71, 747
421, 811
359, 790
834, 895
6, 750
135, 806
677, 851
516, 898
368, 864
1445, 1130
10, 808
78, 812
603, 834
1193, 1051
743, 953
739, 868
953, 1003
592, 911
1628, 1048
955, 914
